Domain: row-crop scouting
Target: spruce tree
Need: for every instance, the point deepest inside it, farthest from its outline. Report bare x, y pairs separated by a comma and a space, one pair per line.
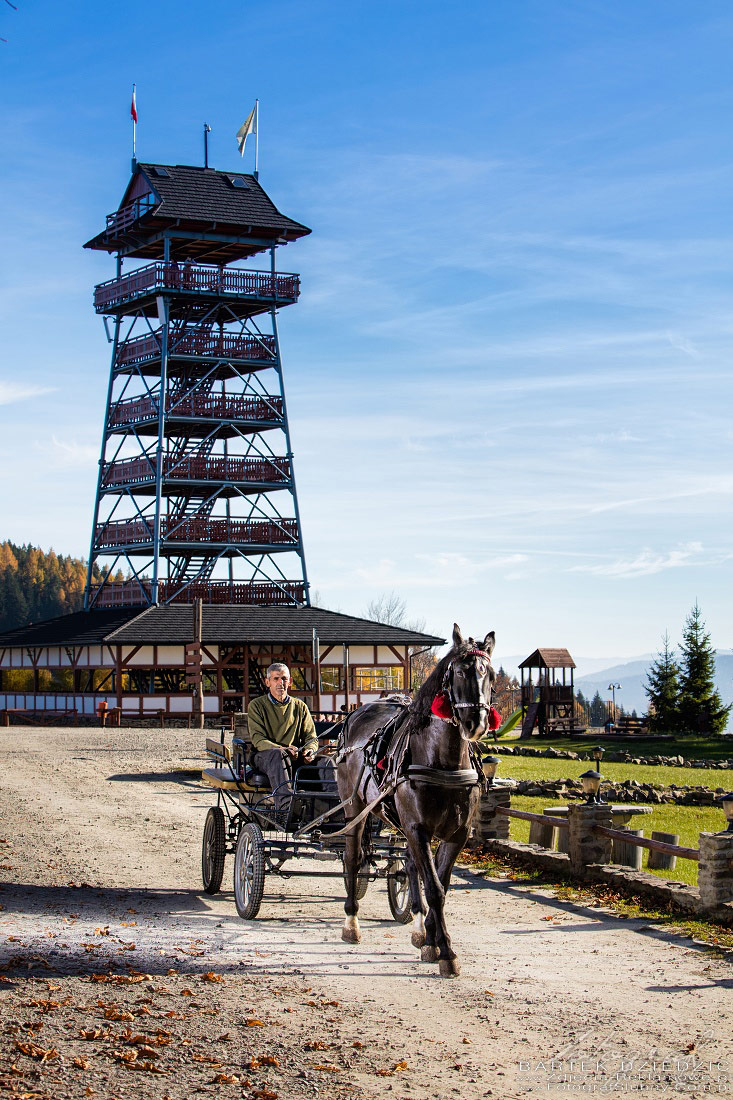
701, 708
663, 690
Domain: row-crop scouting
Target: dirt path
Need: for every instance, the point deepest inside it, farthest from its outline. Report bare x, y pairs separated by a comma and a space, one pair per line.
122, 979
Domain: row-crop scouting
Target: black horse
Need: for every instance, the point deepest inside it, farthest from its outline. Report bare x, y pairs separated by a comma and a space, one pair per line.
432, 788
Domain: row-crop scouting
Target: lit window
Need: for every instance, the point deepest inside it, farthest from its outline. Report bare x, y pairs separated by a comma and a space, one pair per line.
332, 678
378, 678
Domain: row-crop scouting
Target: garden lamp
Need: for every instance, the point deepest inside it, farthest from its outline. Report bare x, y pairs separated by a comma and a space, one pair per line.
591, 781
726, 801
598, 756
489, 764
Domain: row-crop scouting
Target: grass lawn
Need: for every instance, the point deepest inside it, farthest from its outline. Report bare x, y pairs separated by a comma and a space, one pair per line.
688, 821
544, 767
692, 748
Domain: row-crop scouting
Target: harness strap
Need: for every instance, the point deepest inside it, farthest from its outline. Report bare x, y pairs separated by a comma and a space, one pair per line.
389, 789
438, 777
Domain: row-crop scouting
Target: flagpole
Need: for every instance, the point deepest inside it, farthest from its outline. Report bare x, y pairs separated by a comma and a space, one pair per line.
257, 139
134, 128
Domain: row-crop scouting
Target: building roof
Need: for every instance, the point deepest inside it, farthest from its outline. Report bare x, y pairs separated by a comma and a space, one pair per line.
548, 658
221, 625
191, 198
79, 628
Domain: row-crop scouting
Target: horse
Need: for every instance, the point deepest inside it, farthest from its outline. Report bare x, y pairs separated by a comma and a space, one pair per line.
430, 789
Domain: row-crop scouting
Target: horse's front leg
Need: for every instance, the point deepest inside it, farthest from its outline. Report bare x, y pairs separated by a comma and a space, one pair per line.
437, 943
417, 904
351, 933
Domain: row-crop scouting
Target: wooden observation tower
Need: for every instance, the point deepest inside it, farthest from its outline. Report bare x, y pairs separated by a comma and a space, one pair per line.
196, 492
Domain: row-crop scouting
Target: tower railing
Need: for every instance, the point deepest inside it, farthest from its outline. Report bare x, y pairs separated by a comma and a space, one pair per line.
201, 345
206, 406
137, 593
196, 279
131, 532
218, 468
125, 217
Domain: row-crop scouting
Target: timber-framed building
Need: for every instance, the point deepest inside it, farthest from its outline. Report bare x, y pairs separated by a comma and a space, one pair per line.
134, 659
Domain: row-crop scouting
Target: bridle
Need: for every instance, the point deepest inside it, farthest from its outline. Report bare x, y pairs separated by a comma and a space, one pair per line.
447, 685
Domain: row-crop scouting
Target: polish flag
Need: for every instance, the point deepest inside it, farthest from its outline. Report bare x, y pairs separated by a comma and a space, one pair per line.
133, 105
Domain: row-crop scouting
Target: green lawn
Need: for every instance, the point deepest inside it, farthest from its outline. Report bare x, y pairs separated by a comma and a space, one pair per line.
688, 821
544, 767
692, 748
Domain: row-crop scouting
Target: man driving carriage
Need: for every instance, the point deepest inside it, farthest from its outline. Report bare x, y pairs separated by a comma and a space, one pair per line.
281, 729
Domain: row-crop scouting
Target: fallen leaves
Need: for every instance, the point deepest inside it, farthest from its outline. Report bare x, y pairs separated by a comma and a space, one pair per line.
252, 1021
210, 976
32, 1050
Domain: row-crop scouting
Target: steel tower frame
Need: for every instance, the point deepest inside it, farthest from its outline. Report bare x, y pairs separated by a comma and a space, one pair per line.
196, 494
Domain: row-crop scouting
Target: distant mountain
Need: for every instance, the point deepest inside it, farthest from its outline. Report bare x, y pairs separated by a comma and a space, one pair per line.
632, 677
584, 666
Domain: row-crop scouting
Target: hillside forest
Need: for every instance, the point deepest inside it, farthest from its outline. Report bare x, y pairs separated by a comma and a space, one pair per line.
36, 585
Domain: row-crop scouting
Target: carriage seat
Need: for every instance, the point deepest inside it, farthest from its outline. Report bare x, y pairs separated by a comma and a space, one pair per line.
243, 752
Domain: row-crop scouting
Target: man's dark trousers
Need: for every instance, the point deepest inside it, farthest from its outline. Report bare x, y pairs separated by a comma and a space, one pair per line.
272, 763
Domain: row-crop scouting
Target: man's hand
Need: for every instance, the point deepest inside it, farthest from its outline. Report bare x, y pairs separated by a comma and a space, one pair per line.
290, 750
308, 755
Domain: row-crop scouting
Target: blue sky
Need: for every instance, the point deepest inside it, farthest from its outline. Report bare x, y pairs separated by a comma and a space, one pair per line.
509, 372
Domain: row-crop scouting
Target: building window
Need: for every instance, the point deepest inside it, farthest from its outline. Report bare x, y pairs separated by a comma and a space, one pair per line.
16, 679
378, 678
332, 678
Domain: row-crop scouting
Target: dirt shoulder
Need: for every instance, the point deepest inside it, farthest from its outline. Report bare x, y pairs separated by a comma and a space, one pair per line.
120, 978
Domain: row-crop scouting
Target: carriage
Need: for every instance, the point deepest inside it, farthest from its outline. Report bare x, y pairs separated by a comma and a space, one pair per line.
266, 841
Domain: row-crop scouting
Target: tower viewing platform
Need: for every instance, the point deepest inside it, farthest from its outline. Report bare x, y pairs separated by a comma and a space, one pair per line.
196, 492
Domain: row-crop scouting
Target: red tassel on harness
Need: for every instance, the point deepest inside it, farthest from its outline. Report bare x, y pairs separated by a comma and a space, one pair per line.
441, 707
494, 719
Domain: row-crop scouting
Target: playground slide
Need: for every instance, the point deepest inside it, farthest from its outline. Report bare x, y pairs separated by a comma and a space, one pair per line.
511, 723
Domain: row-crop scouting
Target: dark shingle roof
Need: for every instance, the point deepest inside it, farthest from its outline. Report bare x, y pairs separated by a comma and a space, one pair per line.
225, 625
79, 628
235, 625
202, 198
548, 658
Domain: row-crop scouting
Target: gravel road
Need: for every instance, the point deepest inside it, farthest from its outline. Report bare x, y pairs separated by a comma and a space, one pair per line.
120, 978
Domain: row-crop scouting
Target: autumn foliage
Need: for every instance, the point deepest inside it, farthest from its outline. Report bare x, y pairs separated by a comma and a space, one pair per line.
36, 585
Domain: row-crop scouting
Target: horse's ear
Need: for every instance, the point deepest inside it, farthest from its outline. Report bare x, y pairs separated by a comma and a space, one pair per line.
457, 637
489, 643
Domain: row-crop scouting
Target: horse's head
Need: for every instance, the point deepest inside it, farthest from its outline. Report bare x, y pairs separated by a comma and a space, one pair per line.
469, 681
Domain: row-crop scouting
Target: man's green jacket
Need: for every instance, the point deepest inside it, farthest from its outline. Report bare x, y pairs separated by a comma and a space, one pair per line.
274, 726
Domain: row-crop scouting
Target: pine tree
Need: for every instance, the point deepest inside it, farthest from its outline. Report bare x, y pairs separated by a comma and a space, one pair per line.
598, 711
663, 691
700, 706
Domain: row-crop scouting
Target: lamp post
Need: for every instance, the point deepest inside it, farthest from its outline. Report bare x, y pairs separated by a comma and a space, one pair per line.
598, 756
726, 802
591, 781
614, 688
489, 764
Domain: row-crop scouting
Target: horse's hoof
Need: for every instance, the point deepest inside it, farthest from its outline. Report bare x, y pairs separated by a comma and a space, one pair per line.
351, 935
417, 939
428, 953
449, 968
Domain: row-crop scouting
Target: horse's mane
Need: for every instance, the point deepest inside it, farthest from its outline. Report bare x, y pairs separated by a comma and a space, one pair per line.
423, 701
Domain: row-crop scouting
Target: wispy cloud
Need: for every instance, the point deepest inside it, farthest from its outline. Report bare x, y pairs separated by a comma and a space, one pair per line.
647, 562
10, 392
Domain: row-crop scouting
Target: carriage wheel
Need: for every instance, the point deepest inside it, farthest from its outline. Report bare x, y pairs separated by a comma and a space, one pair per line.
213, 850
249, 871
398, 892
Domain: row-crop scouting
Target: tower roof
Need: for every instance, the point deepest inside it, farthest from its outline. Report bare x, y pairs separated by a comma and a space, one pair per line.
231, 208
548, 658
